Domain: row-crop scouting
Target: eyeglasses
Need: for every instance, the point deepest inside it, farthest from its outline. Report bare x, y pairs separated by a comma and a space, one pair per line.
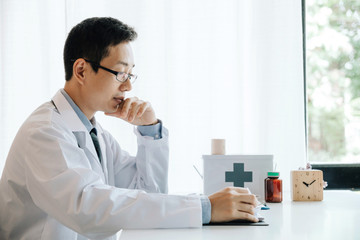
120, 76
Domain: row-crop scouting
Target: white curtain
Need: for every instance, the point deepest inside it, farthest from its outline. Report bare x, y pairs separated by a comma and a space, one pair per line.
211, 69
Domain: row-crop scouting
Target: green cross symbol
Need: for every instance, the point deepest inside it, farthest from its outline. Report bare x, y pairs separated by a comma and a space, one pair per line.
238, 176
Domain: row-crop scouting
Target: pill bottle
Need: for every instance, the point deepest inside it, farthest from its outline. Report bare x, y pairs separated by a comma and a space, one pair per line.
273, 188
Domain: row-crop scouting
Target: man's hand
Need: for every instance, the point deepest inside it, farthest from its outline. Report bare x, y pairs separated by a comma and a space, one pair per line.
135, 111
233, 203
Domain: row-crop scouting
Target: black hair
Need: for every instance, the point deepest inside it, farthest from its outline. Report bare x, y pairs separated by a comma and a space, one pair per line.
92, 38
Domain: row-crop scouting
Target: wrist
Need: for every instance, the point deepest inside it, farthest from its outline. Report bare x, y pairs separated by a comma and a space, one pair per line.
151, 130
153, 123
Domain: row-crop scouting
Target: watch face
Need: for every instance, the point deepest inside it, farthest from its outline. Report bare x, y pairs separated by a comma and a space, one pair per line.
307, 185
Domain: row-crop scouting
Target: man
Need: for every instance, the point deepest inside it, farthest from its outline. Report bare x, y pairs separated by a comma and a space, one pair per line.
67, 178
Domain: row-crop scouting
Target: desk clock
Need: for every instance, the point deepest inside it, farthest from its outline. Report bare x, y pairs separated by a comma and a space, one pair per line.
307, 185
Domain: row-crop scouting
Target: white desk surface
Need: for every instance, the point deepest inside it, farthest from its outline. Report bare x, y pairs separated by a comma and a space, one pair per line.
336, 217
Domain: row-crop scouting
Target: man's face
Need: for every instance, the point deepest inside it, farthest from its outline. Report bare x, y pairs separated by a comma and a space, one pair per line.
104, 92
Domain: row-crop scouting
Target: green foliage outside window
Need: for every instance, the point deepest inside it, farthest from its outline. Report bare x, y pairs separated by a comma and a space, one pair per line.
333, 80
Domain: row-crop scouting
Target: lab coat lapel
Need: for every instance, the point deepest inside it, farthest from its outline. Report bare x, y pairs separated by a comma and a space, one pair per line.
77, 127
103, 149
94, 160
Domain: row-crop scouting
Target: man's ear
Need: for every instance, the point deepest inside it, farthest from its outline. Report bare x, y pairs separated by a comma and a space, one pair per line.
79, 70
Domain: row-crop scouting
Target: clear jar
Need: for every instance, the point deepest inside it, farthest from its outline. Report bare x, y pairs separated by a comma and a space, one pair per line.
273, 188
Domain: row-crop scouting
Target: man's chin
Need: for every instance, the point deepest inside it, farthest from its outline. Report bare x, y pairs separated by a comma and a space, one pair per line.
112, 109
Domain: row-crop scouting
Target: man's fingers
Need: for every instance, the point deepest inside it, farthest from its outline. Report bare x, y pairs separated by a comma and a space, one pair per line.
133, 111
124, 109
142, 109
242, 195
244, 207
240, 190
247, 199
233, 203
133, 108
126, 105
245, 216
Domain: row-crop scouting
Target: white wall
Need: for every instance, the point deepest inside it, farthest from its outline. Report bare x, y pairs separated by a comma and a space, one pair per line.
211, 69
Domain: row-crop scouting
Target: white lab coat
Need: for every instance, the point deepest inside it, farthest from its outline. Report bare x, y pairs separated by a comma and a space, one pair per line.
54, 187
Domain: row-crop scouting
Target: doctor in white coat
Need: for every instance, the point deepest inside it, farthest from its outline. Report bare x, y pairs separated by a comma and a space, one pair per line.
67, 178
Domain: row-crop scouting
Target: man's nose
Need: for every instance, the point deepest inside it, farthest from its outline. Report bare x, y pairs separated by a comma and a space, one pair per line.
126, 86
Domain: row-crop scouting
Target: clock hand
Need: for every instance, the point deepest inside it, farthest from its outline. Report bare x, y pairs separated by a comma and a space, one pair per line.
306, 184
312, 182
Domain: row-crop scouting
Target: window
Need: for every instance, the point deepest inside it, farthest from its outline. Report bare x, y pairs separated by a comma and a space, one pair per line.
332, 40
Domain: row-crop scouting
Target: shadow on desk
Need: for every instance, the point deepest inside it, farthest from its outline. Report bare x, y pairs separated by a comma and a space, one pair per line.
238, 223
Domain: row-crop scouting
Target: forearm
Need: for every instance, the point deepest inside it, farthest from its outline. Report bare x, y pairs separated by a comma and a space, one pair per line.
149, 169
152, 161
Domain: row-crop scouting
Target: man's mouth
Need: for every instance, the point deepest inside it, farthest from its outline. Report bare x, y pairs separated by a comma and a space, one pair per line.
119, 99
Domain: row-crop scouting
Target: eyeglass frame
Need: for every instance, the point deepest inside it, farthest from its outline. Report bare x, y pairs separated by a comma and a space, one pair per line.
129, 75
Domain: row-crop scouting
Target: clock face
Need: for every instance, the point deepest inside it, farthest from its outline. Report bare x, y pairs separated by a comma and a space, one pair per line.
307, 185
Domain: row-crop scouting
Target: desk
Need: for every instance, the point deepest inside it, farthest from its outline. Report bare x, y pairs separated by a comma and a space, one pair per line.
336, 217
